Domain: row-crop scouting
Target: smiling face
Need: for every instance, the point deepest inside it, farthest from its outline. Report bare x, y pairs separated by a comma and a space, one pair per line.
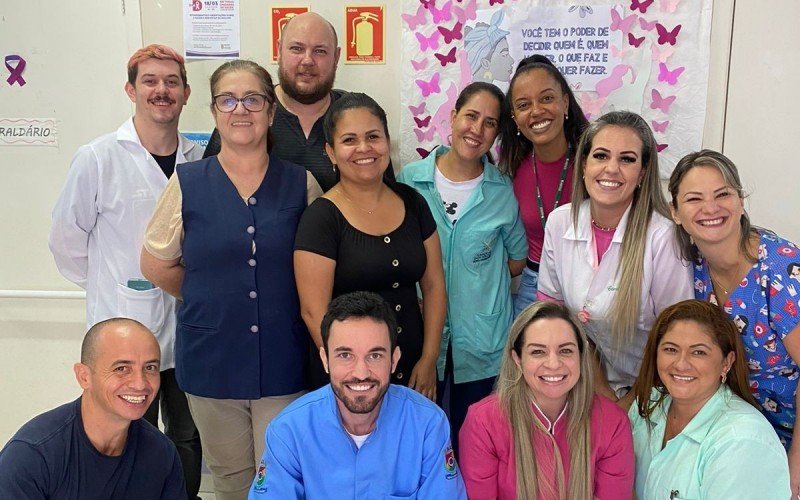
538, 108
242, 127
360, 363
120, 382
307, 58
159, 93
550, 362
690, 363
360, 146
613, 170
708, 208
475, 126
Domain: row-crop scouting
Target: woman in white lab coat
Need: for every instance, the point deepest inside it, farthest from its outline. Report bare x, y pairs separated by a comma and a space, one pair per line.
610, 255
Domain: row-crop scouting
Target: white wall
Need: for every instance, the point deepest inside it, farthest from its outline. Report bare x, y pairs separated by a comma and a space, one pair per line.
77, 52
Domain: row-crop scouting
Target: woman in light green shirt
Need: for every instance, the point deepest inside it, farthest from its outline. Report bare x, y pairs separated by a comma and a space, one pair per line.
696, 431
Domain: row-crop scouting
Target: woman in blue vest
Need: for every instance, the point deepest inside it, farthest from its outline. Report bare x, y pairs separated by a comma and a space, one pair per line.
221, 238
483, 246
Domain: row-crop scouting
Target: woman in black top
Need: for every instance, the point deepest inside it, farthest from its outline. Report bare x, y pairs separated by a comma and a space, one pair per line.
367, 234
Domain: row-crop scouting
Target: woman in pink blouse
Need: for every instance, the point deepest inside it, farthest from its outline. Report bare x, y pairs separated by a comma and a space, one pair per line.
545, 401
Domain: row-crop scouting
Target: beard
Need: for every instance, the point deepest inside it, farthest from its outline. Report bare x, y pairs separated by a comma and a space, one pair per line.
309, 96
359, 404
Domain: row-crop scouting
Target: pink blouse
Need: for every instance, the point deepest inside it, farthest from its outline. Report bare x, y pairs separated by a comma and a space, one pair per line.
487, 460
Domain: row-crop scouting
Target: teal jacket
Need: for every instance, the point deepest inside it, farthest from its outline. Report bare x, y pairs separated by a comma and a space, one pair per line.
475, 253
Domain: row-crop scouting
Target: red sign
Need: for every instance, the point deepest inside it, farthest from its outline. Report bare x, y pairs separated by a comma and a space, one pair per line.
281, 16
366, 30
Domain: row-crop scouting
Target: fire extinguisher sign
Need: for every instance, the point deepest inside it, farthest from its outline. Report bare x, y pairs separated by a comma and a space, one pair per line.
366, 33
280, 16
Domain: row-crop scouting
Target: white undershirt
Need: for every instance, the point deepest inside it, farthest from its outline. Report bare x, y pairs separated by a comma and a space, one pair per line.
359, 440
454, 194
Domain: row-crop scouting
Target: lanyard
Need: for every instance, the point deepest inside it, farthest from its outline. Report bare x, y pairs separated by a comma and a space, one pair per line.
558, 191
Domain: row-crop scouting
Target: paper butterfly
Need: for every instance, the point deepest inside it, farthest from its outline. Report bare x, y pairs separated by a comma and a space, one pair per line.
424, 122
419, 65
662, 103
661, 147
427, 3
647, 26
444, 59
467, 13
618, 23
661, 54
423, 153
616, 52
591, 106
667, 36
442, 14
669, 5
583, 10
429, 42
414, 21
635, 41
424, 136
429, 87
641, 5
665, 75
451, 34
417, 110
660, 126
492, 2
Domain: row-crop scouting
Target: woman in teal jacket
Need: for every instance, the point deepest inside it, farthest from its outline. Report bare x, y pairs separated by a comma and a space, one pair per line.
483, 246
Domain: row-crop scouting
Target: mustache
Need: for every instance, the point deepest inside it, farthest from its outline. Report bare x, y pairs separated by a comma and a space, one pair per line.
163, 98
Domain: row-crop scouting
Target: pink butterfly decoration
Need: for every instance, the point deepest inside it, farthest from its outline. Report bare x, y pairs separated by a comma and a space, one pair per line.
647, 26
423, 153
616, 52
422, 122
661, 54
444, 59
469, 12
660, 126
661, 147
442, 14
429, 42
418, 109
417, 19
419, 65
429, 87
492, 2
665, 75
669, 5
618, 23
451, 34
662, 103
427, 3
641, 5
667, 36
592, 105
608, 85
632, 40
424, 136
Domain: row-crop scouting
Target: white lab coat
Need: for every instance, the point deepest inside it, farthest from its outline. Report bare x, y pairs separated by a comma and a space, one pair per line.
569, 272
98, 226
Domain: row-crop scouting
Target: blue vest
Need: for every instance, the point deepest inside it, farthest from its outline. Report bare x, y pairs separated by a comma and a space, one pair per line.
240, 335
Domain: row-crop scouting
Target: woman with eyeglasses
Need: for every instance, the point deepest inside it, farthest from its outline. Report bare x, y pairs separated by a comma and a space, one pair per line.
221, 239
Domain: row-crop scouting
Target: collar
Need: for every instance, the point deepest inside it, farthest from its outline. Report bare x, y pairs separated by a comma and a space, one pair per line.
490, 172
127, 133
334, 408
584, 230
551, 426
697, 428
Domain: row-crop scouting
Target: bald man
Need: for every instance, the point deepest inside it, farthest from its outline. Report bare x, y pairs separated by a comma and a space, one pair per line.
98, 446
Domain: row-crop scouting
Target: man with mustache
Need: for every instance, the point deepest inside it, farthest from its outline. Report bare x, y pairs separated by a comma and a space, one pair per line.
99, 220
359, 437
98, 446
308, 54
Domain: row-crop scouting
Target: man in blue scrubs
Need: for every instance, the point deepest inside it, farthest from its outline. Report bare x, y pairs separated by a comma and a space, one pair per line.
359, 436
98, 446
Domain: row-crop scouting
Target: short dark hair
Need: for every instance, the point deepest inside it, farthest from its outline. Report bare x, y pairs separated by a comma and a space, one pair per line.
359, 305
89, 344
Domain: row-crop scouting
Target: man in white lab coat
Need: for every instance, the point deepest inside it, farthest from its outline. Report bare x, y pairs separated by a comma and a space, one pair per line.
99, 220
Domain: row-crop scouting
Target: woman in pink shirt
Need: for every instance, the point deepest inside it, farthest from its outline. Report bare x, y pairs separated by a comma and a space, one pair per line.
545, 402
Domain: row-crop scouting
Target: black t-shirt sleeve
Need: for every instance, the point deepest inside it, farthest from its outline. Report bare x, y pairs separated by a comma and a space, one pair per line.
23, 472
319, 230
419, 208
214, 144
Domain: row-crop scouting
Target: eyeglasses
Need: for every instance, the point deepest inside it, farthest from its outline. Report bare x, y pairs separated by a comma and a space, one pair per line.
252, 102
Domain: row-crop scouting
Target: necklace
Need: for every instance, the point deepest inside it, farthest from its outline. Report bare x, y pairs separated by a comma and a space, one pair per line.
717, 284
559, 191
368, 212
603, 228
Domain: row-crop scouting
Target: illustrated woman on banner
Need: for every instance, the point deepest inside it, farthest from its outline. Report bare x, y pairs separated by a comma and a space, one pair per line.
487, 48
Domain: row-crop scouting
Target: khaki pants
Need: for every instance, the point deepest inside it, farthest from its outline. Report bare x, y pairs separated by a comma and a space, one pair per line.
232, 434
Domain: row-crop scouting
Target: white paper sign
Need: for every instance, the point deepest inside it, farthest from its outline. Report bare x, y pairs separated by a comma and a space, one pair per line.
211, 29
28, 132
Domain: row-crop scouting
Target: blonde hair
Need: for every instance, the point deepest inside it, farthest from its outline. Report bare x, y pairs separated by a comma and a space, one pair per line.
155, 51
515, 400
647, 198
